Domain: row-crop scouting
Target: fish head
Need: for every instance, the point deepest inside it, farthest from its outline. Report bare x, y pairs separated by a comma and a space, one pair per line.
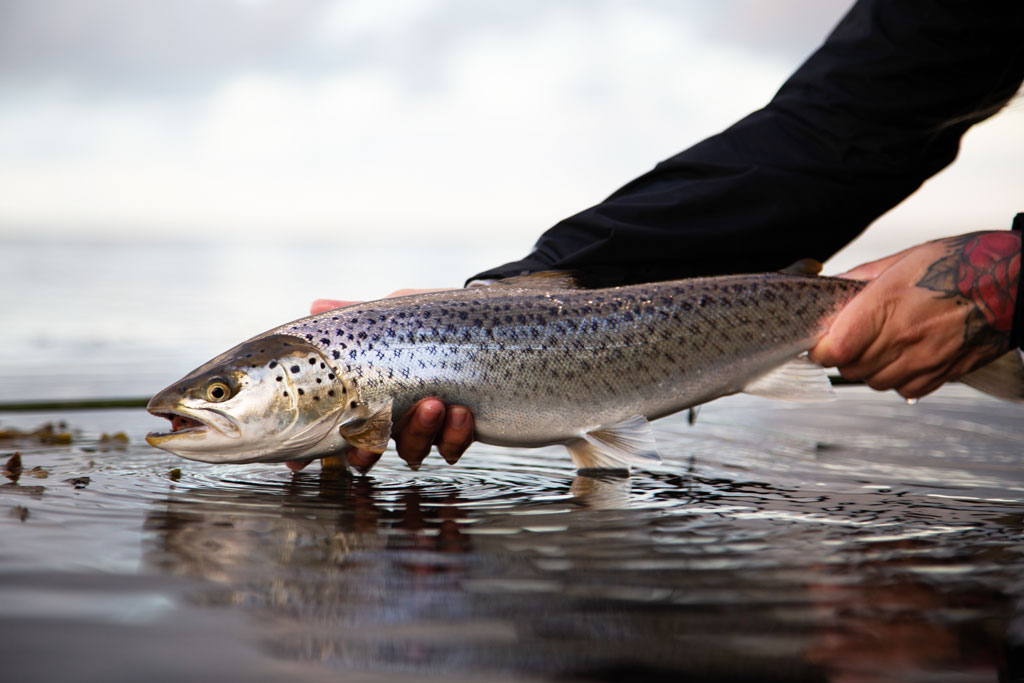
269, 399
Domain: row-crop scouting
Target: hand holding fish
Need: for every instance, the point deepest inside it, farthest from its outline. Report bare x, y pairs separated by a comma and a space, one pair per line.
929, 314
429, 422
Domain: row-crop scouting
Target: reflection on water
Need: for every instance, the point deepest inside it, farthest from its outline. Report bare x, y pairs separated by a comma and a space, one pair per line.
862, 541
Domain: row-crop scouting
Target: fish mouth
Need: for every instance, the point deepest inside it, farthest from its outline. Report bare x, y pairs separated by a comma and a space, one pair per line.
181, 425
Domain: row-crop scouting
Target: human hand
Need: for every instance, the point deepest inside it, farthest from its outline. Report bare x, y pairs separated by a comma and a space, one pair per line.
429, 422
928, 315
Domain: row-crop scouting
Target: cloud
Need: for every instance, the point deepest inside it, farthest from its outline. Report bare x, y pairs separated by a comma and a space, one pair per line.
371, 119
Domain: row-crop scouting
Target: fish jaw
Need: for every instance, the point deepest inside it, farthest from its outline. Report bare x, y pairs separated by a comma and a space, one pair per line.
188, 423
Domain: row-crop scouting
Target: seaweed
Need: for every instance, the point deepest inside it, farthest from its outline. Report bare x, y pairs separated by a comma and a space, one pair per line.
48, 433
117, 437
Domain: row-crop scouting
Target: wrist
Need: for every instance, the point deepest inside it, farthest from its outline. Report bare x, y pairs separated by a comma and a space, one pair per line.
1017, 328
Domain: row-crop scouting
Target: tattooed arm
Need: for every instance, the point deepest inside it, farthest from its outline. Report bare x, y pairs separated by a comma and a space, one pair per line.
930, 314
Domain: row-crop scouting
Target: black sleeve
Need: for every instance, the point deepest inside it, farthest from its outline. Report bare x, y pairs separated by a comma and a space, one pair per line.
872, 114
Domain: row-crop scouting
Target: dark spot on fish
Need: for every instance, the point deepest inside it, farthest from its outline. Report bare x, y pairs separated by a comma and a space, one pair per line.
295, 368
330, 392
335, 354
316, 398
330, 376
301, 392
318, 380
352, 405
273, 364
309, 337
279, 378
312, 361
325, 340
285, 393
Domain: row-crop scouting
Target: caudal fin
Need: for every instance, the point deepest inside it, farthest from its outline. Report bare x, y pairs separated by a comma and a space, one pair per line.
1002, 378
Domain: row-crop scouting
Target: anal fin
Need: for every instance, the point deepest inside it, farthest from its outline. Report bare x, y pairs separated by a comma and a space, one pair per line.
800, 380
615, 447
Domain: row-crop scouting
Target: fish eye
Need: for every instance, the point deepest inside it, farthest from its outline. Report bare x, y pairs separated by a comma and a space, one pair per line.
217, 390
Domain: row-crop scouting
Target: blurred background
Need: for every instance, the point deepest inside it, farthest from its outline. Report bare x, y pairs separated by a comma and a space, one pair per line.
176, 177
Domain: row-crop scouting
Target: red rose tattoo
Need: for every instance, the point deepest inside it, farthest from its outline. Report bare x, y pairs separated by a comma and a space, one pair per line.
987, 275
983, 269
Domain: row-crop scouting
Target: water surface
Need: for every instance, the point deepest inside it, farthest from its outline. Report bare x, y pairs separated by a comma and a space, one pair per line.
861, 540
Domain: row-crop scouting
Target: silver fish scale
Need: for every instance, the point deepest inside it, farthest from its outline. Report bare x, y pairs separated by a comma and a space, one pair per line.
537, 364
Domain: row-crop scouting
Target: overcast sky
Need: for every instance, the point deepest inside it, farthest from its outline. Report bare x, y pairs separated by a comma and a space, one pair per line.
426, 120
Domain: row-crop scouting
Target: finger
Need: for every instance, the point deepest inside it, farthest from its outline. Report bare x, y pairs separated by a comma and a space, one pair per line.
921, 386
415, 438
296, 465
883, 354
322, 305
457, 434
362, 460
907, 375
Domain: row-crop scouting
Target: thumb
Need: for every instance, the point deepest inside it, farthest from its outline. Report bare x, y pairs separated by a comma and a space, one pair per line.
871, 269
851, 333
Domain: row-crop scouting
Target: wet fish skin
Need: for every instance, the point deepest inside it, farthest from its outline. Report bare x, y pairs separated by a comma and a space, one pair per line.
539, 362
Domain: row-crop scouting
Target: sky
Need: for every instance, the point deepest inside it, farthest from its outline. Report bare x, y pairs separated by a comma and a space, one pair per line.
401, 121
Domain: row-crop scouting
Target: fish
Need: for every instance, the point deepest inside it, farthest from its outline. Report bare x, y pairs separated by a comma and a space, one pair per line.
539, 360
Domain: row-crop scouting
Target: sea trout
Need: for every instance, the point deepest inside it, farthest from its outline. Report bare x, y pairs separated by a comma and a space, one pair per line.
538, 360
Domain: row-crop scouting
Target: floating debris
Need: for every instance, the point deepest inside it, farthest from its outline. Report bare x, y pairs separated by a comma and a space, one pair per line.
48, 433
12, 469
39, 472
117, 437
19, 512
175, 474
79, 482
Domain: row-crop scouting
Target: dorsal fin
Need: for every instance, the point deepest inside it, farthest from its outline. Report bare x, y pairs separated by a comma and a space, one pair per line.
545, 279
805, 266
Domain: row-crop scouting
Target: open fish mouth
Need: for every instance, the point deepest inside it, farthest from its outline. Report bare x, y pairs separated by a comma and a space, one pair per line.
180, 425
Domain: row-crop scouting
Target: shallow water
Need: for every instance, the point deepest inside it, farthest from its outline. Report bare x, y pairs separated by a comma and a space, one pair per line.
861, 540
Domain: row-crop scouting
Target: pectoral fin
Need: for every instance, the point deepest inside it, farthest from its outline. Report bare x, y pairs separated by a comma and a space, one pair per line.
616, 447
800, 380
371, 433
